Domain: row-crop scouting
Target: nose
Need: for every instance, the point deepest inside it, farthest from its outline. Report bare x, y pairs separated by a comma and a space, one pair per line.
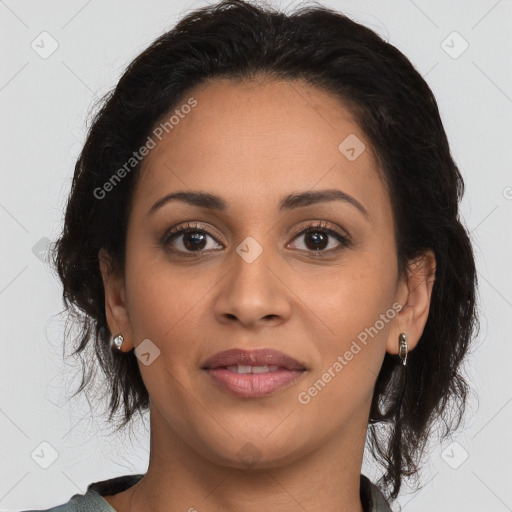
254, 293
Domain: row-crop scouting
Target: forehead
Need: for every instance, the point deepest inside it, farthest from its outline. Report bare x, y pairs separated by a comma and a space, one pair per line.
251, 141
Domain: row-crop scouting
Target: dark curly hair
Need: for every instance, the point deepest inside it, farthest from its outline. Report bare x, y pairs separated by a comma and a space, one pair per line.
396, 109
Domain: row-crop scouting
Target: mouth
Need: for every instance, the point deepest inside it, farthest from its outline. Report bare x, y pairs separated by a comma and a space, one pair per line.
263, 360
245, 369
252, 374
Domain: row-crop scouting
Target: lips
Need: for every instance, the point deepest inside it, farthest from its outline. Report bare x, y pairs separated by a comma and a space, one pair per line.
252, 374
252, 358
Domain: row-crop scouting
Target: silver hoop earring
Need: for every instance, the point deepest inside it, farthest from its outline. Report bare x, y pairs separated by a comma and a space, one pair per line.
403, 348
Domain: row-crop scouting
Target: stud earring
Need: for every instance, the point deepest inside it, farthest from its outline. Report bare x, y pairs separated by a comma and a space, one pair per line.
118, 341
402, 347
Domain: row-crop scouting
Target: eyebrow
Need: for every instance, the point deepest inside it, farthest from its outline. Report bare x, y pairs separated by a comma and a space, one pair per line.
288, 203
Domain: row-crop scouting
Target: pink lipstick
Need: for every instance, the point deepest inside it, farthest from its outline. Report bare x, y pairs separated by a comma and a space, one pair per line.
253, 373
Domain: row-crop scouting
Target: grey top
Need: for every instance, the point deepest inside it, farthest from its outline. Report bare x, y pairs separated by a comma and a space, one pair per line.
371, 497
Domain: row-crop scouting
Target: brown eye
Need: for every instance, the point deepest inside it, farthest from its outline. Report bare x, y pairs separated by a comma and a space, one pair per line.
317, 238
188, 238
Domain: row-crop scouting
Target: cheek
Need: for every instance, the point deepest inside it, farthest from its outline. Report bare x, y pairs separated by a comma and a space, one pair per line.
356, 305
160, 303
354, 296
166, 302
162, 309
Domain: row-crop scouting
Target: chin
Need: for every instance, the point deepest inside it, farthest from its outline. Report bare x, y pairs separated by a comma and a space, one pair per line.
258, 453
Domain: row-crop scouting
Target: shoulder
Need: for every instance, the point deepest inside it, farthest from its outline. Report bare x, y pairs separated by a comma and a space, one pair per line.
372, 498
92, 500
88, 502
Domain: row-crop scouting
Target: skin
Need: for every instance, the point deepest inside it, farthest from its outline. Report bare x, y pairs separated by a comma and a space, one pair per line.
252, 143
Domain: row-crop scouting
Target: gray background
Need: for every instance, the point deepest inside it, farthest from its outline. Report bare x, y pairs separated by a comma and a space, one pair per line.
45, 102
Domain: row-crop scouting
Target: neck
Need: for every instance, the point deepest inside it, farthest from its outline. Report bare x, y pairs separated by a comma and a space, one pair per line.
181, 478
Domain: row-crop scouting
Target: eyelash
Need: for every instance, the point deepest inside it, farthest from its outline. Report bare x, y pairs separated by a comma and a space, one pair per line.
317, 226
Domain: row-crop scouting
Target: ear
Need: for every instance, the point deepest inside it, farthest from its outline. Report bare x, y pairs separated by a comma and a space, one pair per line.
413, 294
115, 301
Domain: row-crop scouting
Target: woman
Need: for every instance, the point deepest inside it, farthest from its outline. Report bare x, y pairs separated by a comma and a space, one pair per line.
263, 236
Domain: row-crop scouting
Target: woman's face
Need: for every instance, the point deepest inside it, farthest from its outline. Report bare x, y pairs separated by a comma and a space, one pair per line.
248, 278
